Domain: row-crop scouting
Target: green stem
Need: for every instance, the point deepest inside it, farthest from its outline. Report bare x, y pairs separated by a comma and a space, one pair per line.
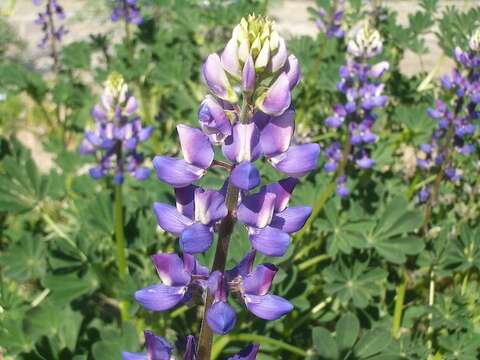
313, 261
120, 242
397, 313
224, 340
325, 195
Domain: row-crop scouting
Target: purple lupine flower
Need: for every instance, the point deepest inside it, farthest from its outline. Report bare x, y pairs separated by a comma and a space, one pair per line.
455, 127
330, 21
126, 10
157, 349
46, 18
363, 92
181, 281
117, 133
194, 218
254, 67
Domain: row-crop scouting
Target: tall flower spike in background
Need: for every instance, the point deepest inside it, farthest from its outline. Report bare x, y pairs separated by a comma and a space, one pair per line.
118, 131
128, 10
355, 117
52, 34
249, 114
455, 123
329, 21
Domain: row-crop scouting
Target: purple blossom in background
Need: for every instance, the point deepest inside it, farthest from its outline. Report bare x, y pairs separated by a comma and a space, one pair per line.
249, 120
127, 10
117, 133
45, 19
455, 121
330, 21
363, 94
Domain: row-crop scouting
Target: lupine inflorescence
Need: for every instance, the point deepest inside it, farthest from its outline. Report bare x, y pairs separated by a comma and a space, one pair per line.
455, 127
330, 21
118, 131
249, 114
127, 10
46, 20
363, 93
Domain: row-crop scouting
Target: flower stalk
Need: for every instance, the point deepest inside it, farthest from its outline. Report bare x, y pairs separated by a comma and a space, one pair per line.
120, 244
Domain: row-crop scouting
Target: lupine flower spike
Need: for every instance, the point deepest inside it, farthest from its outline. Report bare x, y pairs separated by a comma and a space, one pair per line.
455, 124
117, 133
329, 20
52, 34
126, 10
363, 93
249, 115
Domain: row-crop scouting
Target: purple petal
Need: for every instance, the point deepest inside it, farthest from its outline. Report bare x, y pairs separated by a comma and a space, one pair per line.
283, 191
245, 176
170, 269
248, 75
291, 219
176, 172
249, 353
293, 71
277, 98
217, 80
244, 267
298, 161
213, 119
141, 173
169, 219
157, 347
278, 60
267, 307
230, 58
277, 133
196, 147
256, 210
379, 69
160, 297
221, 318
259, 281
270, 241
243, 144
192, 266
134, 356
131, 106
185, 200
191, 349
98, 113
144, 134
196, 238
209, 206
97, 172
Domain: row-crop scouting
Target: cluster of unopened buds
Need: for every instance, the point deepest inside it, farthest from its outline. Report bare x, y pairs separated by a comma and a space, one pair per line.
455, 124
45, 20
363, 94
117, 133
330, 21
249, 115
126, 10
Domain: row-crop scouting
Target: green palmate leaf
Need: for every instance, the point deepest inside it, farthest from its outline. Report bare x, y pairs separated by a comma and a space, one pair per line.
66, 288
60, 325
324, 343
21, 186
463, 253
115, 341
347, 330
372, 342
353, 282
13, 337
25, 260
77, 55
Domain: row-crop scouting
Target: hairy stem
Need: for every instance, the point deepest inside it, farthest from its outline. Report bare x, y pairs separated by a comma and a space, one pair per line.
53, 42
120, 242
128, 38
224, 233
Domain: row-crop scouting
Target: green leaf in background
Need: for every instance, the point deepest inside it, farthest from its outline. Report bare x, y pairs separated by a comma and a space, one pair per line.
324, 343
66, 288
346, 331
115, 341
372, 342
